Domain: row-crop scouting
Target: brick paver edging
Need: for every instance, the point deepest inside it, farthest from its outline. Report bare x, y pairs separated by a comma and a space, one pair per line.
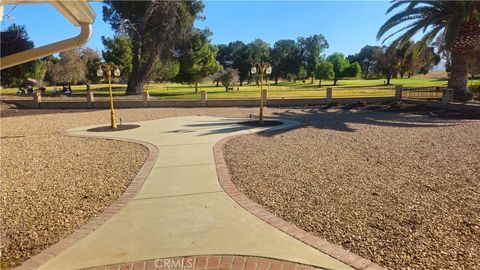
209, 262
55, 249
333, 250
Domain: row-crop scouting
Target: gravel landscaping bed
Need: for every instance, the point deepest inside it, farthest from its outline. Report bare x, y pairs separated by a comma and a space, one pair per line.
402, 190
52, 184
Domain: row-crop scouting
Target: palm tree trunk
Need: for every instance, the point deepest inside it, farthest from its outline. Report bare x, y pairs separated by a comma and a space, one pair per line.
458, 80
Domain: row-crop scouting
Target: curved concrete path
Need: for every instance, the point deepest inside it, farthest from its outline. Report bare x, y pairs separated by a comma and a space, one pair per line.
181, 210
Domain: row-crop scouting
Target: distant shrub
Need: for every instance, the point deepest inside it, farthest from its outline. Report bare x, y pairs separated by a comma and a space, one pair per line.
291, 77
475, 89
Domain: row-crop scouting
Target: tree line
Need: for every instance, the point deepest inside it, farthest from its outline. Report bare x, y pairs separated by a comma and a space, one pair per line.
157, 41
198, 59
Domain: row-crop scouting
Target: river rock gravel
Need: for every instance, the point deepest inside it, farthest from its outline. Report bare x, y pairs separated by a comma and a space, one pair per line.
402, 190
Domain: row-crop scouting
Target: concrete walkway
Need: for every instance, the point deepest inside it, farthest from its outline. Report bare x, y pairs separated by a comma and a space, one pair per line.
181, 210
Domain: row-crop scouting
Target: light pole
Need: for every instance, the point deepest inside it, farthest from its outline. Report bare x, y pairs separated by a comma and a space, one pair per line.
263, 68
108, 68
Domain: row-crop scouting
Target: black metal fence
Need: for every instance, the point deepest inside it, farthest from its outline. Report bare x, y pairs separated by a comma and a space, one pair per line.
363, 92
426, 93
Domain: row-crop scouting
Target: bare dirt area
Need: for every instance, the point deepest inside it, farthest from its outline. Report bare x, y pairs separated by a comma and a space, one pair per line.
52, 184
400, 189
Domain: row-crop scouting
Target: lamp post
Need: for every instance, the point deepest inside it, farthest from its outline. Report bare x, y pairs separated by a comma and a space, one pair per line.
116, 72
263, 67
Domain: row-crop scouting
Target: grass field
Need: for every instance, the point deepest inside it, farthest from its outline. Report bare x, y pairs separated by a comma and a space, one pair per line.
282, 90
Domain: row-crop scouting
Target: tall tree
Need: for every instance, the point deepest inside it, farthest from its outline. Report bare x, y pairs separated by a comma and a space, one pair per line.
198, 59
15, 39
388, 62
50, 61
426, 59
311, 48
70, 68
456, 22
118, 51
235, 56
302, 74
365, 58
39, 71
340, 64
324, 72
354, 70
165, 70
91, 58
227, 77
224, 56
284, 58
156, 28
407, 58
258, 50
240, 61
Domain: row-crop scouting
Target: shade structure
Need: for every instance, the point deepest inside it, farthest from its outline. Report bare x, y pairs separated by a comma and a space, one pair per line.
78, 12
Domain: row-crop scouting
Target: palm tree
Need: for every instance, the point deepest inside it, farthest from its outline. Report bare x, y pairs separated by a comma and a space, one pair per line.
455, 23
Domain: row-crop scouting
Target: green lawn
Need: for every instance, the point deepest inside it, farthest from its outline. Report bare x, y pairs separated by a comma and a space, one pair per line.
282, 90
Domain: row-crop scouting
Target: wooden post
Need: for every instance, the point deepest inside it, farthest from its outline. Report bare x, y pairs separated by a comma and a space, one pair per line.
204, 98
329, 95
146, 98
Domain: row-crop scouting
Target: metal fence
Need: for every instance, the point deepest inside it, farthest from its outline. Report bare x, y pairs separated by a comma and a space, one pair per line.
475, 101
363, 92
425, 93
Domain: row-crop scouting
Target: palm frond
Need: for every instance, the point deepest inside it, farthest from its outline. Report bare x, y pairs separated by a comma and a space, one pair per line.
407, 15
427, 39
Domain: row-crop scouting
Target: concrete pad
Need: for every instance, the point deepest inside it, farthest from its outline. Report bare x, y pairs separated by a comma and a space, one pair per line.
171, 181
180, 226
184, 155
181, 209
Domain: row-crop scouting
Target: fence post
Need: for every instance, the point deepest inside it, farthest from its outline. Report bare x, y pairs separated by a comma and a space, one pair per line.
204, 98
37, 98
446, 95
265, 96
146, 98
398, 91
90, 99
329, 95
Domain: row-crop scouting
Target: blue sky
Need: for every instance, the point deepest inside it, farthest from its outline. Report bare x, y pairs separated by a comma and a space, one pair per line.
347, 25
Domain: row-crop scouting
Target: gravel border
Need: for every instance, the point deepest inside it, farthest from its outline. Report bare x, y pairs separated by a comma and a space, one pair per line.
399, 189
135, 186
333, 250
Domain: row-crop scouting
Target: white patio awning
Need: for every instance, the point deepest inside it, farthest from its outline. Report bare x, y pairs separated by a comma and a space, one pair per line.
78, 12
